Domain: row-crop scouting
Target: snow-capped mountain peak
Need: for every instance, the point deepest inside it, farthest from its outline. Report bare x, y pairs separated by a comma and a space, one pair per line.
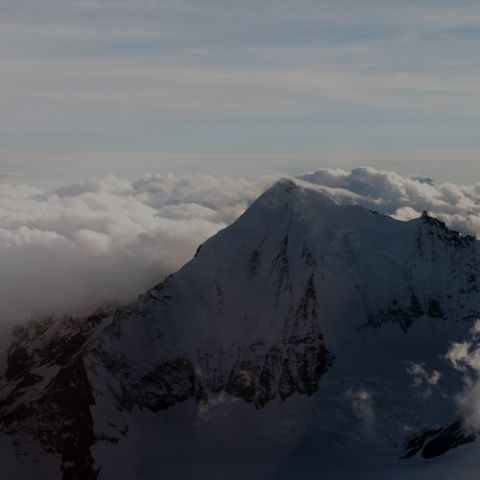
273, 313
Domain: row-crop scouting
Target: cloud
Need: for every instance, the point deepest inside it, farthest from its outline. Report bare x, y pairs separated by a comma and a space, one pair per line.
362, 406
422, 379
421, 376
465, 357
403, 197
102, 241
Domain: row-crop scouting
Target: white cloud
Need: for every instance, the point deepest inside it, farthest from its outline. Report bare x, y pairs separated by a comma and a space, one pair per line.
423, 380
421, 376
465, 357
362, 406
404, 197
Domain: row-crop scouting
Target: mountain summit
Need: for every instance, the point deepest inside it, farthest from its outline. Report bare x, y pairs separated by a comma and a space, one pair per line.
307, 338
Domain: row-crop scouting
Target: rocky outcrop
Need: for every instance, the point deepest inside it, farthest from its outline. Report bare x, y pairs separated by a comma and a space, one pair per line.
46, 395
434, 443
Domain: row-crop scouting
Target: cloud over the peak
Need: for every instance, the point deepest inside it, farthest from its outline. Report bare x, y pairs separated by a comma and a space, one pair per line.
404, 197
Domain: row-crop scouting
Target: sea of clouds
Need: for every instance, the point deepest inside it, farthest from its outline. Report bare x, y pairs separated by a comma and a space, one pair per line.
104, 241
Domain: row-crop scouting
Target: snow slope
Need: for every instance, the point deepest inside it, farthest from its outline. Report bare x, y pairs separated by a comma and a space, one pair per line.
306, 340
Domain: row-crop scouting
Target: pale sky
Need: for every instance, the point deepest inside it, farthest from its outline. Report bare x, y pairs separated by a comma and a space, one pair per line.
134, 86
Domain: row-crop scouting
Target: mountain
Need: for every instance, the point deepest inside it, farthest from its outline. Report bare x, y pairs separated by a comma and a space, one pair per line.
306, 340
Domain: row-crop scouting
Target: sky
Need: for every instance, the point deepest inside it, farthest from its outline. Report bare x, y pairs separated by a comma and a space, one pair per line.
133, 86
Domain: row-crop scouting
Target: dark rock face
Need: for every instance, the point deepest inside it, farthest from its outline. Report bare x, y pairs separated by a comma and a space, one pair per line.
38, 343
50, 395
436, 442
171, 382
262, 371
435, 243
450, 437
67, 424
281, 268
295, 367
255, 262
416, 444
436, 231
294, 364
402, 314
